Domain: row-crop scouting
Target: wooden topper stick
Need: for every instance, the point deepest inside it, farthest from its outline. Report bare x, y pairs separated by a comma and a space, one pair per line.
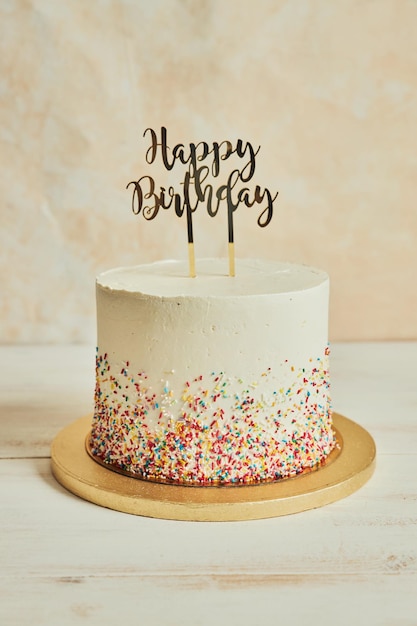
191, 260
231, 259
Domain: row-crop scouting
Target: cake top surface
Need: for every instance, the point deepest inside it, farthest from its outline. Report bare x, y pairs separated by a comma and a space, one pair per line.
253, 277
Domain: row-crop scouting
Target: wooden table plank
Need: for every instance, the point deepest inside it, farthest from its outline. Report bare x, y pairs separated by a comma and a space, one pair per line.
206, 600
42, 389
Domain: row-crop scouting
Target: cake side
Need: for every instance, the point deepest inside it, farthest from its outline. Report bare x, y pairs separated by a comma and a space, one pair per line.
222, 388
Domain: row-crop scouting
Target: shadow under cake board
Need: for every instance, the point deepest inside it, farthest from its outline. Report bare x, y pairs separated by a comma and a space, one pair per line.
347, 470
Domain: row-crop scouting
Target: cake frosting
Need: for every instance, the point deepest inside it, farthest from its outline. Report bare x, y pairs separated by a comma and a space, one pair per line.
214, 379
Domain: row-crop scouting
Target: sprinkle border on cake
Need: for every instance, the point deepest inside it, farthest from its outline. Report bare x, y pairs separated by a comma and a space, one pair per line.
210, 433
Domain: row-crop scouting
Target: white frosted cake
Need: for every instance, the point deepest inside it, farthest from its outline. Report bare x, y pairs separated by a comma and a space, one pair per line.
214, 379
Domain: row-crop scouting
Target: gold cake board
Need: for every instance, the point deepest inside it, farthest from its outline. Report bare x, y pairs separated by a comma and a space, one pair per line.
346, 472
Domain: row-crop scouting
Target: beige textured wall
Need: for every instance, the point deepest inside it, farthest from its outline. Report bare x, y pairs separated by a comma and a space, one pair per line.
327, 88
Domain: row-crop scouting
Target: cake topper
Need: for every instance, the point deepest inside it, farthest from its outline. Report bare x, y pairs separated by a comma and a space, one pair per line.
201, 160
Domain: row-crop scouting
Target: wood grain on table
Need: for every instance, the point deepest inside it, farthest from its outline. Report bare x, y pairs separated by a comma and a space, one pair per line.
66, 561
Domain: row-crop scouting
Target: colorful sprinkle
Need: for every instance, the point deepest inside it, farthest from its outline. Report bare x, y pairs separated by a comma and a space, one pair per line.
216, 429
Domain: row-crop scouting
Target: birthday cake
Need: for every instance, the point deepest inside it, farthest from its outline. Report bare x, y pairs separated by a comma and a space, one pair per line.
213, 380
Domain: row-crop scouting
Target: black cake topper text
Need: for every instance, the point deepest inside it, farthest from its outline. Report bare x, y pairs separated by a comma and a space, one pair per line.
202, 161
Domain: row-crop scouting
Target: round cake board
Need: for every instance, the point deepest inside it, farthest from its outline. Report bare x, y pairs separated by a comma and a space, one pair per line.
345, 472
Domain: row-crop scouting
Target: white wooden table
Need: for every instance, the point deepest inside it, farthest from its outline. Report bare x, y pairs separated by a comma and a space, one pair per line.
66, 561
